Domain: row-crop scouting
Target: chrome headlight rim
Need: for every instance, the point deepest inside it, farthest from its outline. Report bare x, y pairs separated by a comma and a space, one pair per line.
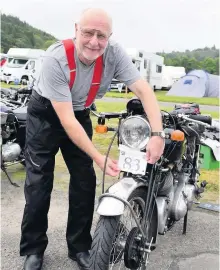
138, 117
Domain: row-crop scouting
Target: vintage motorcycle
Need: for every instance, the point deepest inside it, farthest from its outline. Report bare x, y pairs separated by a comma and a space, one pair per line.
13, 109
147, 200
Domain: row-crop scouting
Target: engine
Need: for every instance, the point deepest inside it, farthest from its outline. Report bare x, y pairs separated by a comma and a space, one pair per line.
175, 197
10, 151
183, 197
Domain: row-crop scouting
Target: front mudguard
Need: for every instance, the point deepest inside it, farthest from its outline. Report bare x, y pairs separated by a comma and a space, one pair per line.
109, 206
114, 206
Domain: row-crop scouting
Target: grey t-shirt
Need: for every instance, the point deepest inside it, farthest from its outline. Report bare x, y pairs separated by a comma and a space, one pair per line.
54, 76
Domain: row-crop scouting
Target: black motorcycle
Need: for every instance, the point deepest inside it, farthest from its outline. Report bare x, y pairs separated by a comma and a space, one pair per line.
147, 200
13, 109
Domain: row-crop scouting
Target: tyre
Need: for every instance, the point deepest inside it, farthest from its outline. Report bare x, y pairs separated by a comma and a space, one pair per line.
111, 234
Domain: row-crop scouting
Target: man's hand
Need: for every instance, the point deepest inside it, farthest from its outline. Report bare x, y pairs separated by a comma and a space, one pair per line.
111, 166
154, 149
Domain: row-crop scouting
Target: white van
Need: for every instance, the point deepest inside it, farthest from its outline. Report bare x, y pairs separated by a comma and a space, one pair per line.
23, 64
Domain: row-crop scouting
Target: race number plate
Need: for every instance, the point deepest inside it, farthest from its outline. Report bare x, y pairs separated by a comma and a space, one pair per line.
132, 161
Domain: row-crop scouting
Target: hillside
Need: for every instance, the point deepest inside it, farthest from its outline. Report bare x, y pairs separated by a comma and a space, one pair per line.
15, 33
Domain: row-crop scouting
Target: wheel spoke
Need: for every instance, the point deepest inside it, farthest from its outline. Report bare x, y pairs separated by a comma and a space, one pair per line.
126, 223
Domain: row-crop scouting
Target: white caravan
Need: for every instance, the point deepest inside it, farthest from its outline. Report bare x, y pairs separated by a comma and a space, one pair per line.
22, 64
170, 75
149, 65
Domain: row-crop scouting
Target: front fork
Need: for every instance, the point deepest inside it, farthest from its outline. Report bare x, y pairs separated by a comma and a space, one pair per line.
150, 203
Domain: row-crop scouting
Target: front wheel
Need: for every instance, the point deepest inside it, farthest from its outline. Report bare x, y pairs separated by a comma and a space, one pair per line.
114, 238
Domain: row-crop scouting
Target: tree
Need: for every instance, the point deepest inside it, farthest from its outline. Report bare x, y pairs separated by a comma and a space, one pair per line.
48, 43
209, 65
16, 33
31, 39
217, 66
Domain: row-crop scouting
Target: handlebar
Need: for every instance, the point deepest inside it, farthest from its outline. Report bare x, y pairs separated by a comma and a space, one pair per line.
25, 91
202, 118
15, 102
109, 115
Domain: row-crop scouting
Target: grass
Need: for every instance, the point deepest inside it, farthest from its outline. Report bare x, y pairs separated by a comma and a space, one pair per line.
103, 106
161, 96
5, 85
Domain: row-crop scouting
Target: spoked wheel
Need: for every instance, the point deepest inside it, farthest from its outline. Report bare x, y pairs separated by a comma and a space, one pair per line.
116, 242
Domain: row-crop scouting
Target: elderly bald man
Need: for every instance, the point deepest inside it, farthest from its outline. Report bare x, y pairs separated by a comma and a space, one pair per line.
74, 72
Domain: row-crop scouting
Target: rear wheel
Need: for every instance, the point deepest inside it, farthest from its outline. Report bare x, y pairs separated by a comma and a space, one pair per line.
114, 237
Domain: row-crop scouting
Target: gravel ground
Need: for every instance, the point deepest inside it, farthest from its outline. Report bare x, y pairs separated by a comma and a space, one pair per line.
198, 250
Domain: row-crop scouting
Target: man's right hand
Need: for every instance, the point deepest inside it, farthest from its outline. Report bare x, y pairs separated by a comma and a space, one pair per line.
111, 166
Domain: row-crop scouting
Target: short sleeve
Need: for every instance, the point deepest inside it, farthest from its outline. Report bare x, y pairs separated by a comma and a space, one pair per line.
125, 70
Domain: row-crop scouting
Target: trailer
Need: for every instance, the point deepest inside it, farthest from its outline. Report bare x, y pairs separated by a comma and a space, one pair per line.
170, 75
149, 65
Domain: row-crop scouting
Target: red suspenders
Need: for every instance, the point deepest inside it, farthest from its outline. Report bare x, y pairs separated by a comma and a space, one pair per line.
97, 75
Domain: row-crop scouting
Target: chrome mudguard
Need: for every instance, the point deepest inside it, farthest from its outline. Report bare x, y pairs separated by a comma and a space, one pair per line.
109, 206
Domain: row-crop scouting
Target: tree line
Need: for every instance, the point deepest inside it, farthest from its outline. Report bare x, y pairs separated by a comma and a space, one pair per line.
206, 59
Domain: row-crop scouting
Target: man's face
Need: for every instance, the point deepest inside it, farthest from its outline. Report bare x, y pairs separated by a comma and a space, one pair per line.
92, 37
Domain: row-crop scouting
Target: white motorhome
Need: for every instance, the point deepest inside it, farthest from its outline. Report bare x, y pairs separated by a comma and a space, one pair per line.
149, 65
22, 64
170, 75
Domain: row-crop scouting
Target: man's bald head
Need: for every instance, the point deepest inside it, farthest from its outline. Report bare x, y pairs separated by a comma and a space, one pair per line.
96, 15
92, 34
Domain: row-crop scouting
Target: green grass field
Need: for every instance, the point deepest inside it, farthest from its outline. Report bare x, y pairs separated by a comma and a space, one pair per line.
120, 106
161, 96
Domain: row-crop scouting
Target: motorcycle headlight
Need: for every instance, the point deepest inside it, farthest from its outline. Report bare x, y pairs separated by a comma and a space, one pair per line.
135, 132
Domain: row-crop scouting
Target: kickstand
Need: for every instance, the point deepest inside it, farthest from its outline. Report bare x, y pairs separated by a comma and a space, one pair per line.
5, 171
185, 223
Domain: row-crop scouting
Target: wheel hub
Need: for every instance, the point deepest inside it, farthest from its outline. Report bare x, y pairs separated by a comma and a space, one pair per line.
133, 254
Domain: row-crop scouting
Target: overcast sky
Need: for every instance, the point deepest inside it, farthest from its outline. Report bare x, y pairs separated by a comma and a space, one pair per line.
151, 25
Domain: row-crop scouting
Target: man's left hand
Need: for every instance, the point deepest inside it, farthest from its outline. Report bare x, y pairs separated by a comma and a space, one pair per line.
154, 149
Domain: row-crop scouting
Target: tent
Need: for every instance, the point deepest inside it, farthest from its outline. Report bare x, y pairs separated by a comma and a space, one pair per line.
196, 83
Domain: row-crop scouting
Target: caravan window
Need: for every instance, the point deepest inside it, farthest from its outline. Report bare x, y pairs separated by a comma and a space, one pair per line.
158, 69
19, 61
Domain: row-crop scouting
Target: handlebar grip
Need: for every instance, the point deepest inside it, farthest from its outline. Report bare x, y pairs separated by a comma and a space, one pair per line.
25, 91
112, 129
203, 118
15, 102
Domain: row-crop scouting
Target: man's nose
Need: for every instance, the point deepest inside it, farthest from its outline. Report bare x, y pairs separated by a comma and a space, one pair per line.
94, 40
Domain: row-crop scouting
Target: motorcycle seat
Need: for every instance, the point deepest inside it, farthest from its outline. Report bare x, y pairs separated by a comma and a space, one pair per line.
21, 113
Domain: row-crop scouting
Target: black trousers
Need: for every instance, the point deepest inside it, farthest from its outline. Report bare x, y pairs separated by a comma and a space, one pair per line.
44, 137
